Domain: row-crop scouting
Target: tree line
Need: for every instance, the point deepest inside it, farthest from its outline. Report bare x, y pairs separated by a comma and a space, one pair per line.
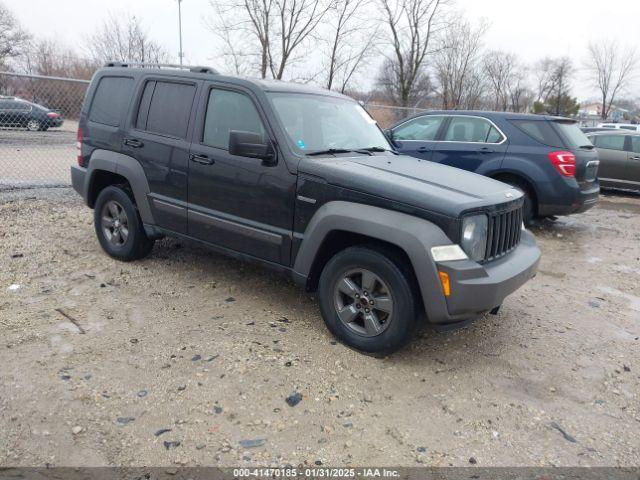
409, 53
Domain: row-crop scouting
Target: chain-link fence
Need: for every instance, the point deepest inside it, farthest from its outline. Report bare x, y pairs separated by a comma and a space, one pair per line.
38, 125
39, 121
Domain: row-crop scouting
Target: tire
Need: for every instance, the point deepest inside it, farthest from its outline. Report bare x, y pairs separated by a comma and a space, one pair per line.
529, 208
118, 226
34, 125
380, 327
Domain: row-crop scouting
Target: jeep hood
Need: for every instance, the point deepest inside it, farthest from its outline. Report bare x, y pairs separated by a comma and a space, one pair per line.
419, 183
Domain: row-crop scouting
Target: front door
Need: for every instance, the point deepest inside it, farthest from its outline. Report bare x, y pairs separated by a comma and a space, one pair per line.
239, 203
416, 137
471, 143
633, 166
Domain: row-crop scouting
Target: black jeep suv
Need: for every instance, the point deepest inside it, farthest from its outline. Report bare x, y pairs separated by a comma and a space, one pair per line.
301, 180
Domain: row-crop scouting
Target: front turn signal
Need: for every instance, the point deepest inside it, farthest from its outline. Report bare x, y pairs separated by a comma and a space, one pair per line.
446, 284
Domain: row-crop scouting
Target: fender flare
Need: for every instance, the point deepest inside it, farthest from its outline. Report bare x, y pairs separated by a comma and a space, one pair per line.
414, 235
129, 168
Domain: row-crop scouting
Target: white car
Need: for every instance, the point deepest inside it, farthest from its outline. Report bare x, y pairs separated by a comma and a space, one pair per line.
621, 126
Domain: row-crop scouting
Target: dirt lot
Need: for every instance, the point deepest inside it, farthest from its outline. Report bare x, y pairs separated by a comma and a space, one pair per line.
183, 357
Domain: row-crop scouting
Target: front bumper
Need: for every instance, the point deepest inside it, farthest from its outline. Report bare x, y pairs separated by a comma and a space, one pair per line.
477, 289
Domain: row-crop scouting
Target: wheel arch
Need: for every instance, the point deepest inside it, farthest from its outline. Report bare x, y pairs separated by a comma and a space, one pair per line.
111, 168
510, 176
338, 225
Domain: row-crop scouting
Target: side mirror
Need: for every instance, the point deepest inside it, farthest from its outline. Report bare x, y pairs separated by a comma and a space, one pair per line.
252, 145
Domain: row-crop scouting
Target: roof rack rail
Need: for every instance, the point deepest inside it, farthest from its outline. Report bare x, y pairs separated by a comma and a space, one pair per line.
191, 68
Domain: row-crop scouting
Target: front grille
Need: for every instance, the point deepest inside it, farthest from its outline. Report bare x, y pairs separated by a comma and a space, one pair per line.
504, 233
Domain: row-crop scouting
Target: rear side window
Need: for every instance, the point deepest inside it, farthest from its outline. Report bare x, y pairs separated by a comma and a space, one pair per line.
472, 130
610, 142
226, 111
111, 100
165, 108
541, 131
635, 144
421, 128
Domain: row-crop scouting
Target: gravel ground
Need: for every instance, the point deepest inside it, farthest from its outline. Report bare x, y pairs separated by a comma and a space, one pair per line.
187, 358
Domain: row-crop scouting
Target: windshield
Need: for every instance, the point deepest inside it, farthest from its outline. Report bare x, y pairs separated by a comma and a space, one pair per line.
573, 135
316, 123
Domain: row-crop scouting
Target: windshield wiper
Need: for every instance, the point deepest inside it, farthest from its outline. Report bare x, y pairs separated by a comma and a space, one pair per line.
379, 149
331, 151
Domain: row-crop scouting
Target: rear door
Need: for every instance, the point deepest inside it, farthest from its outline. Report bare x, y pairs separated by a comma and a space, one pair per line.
613, 155
416, 137
472, 143
159, 138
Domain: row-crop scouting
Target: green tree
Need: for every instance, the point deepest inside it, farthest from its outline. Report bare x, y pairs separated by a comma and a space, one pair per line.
564, 105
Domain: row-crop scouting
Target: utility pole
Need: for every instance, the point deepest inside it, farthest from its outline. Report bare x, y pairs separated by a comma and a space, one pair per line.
180, 54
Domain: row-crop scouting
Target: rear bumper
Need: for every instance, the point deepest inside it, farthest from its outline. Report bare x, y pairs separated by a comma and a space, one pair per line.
477, 289
78, 180
573, 199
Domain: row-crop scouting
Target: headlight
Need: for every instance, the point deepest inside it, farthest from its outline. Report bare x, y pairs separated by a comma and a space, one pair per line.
474, 236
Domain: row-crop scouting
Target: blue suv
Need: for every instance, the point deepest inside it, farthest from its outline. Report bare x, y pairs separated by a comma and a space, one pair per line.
547, 158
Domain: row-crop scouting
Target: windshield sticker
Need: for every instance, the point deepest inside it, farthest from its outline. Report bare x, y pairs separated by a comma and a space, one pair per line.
301, 144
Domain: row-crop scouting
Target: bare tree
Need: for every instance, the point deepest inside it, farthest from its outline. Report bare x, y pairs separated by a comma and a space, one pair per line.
125, 40
49, 57
457, 65
13, 38
270, 30
500, 68
351, 43
411, 25
611, 68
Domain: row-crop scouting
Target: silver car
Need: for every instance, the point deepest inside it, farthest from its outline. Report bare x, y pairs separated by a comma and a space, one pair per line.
619, 153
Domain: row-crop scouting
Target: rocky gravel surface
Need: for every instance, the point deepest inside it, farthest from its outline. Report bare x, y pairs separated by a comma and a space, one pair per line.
190, 358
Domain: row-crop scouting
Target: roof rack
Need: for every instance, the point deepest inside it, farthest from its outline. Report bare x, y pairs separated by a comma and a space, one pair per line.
191, 68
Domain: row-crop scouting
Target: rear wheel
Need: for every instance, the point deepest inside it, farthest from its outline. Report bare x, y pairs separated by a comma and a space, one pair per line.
367, 300
118, 226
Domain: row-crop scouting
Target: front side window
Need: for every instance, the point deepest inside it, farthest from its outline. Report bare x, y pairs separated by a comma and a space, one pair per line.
319, 122
422, 128
635, 144
472, 130
610, 142
226, 111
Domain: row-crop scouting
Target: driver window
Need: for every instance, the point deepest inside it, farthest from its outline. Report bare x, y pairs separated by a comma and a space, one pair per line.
226, 111
421, 128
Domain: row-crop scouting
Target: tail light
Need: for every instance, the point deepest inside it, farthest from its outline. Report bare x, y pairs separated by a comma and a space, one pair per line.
53, 115
565, 163
79, 147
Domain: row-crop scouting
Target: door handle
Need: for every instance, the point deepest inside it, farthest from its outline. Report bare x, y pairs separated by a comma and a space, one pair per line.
423, 149
485, 150
133, 143
635, 158
201, 159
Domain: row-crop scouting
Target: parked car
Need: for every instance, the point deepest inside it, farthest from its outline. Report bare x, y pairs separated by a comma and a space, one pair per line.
619, 153
15, 112
632, 127
303, 181
548, 158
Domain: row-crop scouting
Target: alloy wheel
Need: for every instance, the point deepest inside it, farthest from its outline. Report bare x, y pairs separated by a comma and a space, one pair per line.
363, 302
115, 224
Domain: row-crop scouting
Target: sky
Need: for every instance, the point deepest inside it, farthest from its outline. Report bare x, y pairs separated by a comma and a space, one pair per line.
531, 29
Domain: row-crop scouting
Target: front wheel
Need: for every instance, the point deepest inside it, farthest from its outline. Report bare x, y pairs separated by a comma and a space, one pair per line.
34, 125
529, 207
367, 300
118, 226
